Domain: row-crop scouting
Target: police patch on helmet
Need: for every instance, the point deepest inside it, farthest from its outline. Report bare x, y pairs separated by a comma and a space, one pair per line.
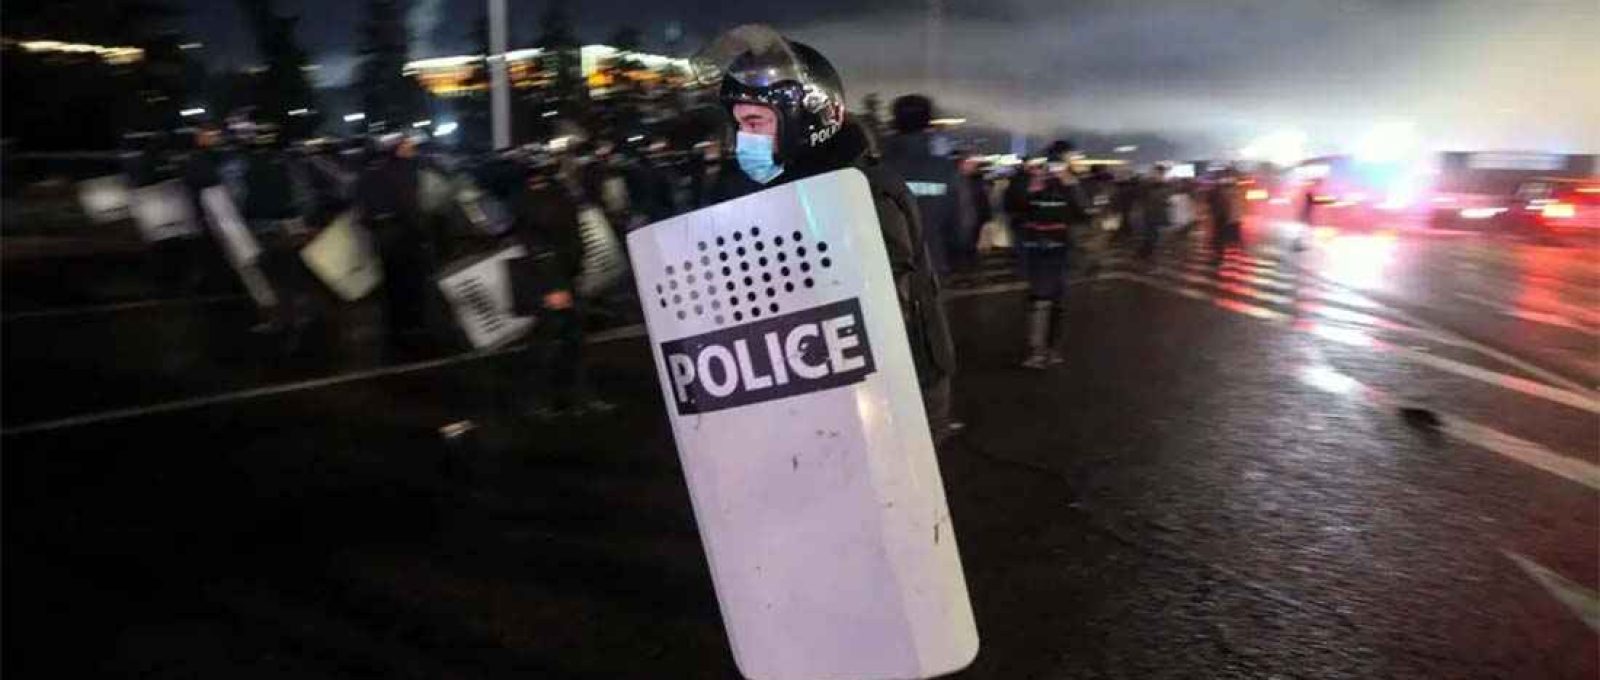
806, 351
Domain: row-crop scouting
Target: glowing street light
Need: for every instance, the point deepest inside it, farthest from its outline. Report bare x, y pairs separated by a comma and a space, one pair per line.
445, 129
422, 124
1387, 143
354, 117
1283, 148
190, 113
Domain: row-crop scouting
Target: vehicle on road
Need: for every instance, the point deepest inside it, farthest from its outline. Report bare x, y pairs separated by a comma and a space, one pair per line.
1558, 205
1484, 190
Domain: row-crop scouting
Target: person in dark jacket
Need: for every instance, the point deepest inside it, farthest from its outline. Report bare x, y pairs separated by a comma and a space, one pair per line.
386, 196
1047, 206
547, 227
274, 208
948, 221
783, 138
1151, 194
1224, 201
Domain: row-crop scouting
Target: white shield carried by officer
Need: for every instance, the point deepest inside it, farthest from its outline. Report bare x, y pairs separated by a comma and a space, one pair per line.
784, 364
479, 291
343, 256
105, 199
162, 211
238, 244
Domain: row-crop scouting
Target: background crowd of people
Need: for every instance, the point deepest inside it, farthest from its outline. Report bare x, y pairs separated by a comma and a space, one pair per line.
427, 207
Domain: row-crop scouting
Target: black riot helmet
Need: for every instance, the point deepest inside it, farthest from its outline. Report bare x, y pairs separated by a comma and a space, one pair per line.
753, 64
911, 113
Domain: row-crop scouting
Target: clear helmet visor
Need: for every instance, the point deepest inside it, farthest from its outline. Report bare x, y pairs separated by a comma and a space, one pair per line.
755, 55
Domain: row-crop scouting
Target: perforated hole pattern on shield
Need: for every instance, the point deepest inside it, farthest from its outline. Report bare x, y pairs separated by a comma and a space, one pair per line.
746, 274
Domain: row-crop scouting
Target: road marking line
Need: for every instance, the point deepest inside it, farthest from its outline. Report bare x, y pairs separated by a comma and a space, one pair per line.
1235, 288
247, 394
119, 307
1582, 601
1227, 303
1233, 273
1460, 340
1509, 382
1543, 317
1460, 429
1330, 311
609, 335
1523, 365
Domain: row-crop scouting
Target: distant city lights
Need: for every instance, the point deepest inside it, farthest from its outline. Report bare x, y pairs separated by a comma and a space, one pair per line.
111, 55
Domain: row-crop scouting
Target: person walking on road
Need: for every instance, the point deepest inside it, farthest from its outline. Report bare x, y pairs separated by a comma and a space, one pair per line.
1224, 203
787, 103
1152, 194
1047, 205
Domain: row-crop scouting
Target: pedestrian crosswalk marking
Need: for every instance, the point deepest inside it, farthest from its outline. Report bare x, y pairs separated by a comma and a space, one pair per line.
1314, 287
1233, 273
1561, 319
1230, 287
1465, 370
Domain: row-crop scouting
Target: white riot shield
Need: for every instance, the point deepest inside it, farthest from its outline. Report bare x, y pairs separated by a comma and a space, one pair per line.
238, 243
229, 227
480, 294
104, 199
162, 211
603, 265
789, 383
343, 256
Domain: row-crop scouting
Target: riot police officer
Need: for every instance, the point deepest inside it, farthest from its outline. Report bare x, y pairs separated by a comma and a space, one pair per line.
948, 221
787, 102
1048, 207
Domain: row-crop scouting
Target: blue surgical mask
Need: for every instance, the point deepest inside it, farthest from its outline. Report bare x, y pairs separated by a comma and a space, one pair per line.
754, 153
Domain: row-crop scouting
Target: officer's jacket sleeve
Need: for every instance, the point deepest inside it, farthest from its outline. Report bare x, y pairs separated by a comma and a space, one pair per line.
901, 239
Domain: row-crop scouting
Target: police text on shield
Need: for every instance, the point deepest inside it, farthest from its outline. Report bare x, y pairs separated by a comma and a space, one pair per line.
805, 351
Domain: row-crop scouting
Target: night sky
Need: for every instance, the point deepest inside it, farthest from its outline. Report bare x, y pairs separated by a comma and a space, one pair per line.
1465, 74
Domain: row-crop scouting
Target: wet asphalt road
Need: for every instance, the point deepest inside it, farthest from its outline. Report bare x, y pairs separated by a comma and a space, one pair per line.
1374, 458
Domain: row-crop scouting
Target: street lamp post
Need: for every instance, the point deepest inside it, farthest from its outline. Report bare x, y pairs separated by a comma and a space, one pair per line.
499, 85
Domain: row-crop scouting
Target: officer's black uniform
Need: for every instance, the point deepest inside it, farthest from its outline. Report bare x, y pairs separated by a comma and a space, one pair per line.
547, 227
937, 184
386, 194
